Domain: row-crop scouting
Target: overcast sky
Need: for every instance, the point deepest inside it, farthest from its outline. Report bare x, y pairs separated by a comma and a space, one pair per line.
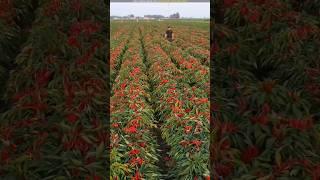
194, 10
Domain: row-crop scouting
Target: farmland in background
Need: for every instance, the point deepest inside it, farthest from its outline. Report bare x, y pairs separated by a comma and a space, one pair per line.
159, 100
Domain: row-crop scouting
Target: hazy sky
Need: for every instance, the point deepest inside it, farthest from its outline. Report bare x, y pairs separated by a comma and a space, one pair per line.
195, 10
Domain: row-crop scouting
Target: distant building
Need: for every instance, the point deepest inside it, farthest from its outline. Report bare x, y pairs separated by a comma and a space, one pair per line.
174, 16
153, 16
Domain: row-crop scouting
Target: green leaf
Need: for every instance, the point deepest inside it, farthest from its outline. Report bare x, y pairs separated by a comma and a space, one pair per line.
100, 150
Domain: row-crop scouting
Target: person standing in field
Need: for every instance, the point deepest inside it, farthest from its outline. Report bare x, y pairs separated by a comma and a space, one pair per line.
169, 35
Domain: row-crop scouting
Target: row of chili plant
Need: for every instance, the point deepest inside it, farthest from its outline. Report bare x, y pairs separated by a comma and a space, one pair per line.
193, 71
195, 45
183, 127
133, 153
116, 55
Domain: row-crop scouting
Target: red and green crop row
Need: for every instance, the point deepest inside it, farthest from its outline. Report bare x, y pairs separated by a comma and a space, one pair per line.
194, 73
133, 153
184, 115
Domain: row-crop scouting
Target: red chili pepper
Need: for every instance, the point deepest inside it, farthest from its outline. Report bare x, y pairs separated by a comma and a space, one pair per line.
43, 76
203, 100
96, 177
134, 152
244, 11
179, 115
250, 153
225, 145
82, 145
316, 172
131, 129
187, 129
115, 125
75, 29
224, 170
197, 143
268, 86
142, 144
254, 16
303, 32
301, 124
167, 158
72, 118
73, 42
133, 107
136, 161
123, 85
82, 106
164, 82
93, 177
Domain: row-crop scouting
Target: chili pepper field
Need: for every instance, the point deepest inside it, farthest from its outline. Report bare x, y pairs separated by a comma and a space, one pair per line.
266, 90
159, 100
53, 90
